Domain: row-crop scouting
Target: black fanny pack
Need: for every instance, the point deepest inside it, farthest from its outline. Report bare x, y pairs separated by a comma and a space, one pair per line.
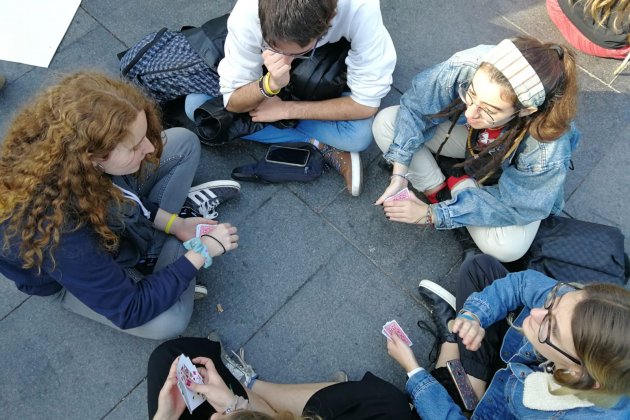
266, 171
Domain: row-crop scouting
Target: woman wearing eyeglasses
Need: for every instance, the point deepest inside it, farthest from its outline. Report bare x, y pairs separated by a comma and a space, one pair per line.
566, 355
505, 112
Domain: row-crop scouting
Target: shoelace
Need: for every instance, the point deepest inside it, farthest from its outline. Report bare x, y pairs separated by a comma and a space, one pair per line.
433, 354
245, 367
207, 208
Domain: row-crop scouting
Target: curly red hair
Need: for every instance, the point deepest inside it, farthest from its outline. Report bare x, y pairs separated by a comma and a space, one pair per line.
48, 182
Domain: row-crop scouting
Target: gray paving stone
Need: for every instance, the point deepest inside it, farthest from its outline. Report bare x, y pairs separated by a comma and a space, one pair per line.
600, 128
428, 32
602, 198
74, 367
133, 406
273, 261
131, 21
319, 332
10, 297
408, 253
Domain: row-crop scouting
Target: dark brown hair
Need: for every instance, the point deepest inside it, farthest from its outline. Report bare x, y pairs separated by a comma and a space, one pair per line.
555, 66
297, 21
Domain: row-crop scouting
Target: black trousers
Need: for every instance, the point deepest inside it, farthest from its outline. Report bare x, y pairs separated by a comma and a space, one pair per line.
160, 363
474, 275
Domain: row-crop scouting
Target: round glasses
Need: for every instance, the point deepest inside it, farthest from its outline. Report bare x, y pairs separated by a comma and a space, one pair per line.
544, 332
463, 89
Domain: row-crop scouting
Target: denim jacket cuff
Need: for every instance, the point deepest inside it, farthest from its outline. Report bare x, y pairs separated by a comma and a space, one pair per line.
441, 216
397, 154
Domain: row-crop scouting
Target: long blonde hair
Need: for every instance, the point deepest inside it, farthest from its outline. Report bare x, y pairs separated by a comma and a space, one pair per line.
48, 182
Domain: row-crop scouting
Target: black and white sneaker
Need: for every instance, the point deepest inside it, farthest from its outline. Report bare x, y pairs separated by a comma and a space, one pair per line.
203, 199
442, 304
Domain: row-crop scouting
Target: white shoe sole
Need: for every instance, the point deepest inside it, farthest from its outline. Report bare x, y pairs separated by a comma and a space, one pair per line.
439, 290
215, 184
357, 168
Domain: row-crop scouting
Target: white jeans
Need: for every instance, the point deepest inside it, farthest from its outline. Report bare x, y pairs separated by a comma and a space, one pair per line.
507, 243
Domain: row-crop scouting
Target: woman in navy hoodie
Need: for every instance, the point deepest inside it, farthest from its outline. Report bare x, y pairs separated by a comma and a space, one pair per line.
91, 195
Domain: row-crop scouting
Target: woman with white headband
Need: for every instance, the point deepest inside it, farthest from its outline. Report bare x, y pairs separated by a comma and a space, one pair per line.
504, 115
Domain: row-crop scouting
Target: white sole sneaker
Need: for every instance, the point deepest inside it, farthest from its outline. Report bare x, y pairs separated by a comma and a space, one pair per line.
440, 291
357, 174
215, 184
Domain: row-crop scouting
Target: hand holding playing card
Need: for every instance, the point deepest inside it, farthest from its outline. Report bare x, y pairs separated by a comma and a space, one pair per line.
402, 353
222, 239
214, 388
406, 211
171, 405
186, 228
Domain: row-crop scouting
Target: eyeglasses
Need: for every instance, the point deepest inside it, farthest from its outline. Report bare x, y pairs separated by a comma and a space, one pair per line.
464, 93
306, 55
544, 332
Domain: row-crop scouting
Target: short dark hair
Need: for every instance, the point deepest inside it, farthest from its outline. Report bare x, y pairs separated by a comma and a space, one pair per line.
298, 21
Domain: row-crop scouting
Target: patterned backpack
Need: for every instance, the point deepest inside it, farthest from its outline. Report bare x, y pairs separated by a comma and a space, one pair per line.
169, 64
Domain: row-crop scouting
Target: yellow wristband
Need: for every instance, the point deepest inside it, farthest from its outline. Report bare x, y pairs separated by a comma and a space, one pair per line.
167, 228
267, 86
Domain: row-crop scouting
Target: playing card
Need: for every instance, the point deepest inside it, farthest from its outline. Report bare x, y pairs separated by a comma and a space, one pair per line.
399, 196
187, 371
203, 229
391, 328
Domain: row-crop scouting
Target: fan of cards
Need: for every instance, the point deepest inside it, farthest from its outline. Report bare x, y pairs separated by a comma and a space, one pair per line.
399, 196
391, 328
186, 371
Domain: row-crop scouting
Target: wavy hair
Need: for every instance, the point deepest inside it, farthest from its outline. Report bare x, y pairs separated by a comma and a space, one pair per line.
601, 335
555, 66
48, 182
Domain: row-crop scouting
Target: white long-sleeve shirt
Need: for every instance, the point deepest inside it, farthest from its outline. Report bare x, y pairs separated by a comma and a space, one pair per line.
371, 59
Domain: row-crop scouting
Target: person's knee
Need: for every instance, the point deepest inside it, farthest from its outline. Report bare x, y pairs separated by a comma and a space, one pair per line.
504, 254
361, 135
184, 141
383, 127
166, 326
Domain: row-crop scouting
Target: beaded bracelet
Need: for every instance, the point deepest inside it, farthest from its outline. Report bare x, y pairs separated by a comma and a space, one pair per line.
197, 246
428, 220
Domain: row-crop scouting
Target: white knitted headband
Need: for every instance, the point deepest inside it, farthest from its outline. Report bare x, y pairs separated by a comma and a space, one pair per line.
509, 60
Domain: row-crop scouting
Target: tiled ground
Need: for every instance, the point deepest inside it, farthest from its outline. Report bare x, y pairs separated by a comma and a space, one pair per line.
317, 272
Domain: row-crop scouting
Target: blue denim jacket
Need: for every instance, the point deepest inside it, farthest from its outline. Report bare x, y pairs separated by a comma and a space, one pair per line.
531, 186
504, 397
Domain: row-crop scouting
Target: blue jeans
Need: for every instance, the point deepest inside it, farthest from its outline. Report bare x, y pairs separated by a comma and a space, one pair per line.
350, 136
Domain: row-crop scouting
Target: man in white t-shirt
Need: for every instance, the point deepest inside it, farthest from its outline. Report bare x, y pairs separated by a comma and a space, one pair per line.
276, 32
